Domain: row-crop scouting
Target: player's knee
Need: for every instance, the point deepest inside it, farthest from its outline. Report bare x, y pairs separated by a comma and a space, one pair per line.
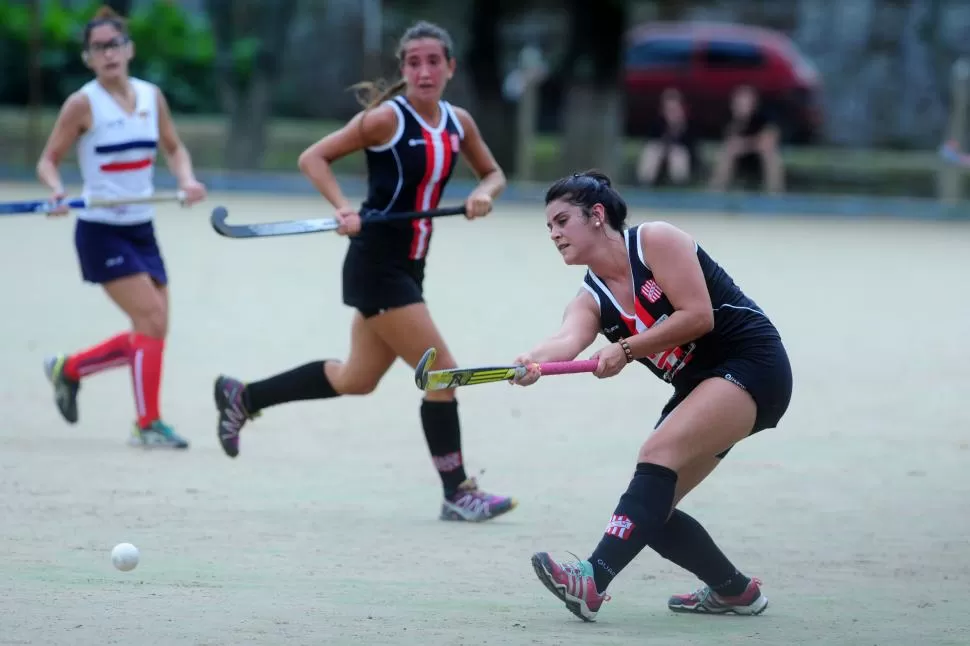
358, 385
662, 453
151, 322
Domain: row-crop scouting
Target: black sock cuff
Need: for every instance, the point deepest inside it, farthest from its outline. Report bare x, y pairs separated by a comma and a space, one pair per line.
437, 412
651, 469
431, 404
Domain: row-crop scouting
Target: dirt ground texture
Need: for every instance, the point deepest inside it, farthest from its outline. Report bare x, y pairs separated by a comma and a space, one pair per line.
854, 512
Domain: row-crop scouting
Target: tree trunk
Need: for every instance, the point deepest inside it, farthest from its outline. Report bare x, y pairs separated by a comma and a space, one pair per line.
248, 103
494, 115
593, 106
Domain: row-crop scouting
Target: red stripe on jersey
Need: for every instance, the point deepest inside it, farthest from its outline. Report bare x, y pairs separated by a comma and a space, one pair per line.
444, 140
642, 313
631, 324
421, 228
120, 167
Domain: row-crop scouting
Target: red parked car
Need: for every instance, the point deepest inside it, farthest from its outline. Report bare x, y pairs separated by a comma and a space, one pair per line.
706, 62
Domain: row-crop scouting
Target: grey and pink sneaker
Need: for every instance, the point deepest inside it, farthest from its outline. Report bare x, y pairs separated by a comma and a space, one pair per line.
571, 582
473, 505
232, 413
706, 601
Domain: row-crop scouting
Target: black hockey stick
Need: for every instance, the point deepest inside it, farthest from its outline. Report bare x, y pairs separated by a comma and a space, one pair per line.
296, 227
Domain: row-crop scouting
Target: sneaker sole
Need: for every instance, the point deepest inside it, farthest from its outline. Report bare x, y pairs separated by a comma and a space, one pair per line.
756, 608
455, 516
155, 446
572, 604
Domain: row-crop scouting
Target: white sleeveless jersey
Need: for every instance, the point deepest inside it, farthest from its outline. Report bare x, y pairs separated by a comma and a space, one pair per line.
117, 155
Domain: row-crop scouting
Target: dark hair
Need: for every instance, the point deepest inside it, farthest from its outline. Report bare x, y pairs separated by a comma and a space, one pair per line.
104, 16
371, 94
587, 189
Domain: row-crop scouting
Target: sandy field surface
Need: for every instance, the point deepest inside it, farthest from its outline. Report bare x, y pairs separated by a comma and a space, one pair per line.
854, 512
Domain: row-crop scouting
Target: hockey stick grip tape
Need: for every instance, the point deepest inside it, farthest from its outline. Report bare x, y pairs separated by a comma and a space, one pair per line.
567, 367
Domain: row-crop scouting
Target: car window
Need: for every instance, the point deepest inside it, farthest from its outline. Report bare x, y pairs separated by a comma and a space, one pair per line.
734, 54
660, 52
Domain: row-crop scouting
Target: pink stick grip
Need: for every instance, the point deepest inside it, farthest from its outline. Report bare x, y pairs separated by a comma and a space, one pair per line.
568, 367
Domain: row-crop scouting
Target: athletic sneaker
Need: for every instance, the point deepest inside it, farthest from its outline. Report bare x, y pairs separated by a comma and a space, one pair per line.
158, 435
572, 583
471, 504
65, 390
706, 601
232, 413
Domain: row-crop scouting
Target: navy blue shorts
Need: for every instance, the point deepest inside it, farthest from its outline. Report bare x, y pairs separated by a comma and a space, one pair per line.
372, 284
762, 369
107, 252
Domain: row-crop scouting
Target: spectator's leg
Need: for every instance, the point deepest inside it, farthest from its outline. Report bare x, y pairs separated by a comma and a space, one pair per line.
650, 159
678, 165
724, 164
774, 170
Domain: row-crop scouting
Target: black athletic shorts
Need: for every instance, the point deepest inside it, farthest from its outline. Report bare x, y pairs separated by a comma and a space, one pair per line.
373, 283
761, 368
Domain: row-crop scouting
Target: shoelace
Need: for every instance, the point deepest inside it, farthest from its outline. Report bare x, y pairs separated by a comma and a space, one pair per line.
576, 569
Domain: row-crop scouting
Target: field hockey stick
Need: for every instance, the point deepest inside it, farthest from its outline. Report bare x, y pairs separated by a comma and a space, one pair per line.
46, 206
297, 227
427, 379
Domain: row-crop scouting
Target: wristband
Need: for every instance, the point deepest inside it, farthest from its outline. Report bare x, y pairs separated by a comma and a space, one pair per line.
626, 349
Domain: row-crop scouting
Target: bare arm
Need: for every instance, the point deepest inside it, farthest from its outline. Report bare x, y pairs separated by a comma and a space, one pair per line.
673, 259
176, 154
368, 128
73, 119
580, 325
491, 178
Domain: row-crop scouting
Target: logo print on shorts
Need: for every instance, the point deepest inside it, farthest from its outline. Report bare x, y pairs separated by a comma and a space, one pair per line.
651, 291
620, 526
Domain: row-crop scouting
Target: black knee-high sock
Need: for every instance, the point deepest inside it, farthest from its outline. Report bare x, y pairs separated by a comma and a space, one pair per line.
638, 518
442, 431
685, 542
308, 381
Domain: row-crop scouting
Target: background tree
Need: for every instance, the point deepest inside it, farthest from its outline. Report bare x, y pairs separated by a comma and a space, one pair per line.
494, 114
593, 111
248, 31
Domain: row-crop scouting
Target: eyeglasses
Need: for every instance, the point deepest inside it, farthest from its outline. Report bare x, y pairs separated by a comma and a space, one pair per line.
101, 47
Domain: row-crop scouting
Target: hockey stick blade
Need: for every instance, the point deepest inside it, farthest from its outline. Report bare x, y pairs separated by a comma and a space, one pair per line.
459, 377
296, 227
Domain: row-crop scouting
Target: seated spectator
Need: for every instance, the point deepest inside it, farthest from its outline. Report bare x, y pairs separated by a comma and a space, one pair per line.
751, 139
671, 152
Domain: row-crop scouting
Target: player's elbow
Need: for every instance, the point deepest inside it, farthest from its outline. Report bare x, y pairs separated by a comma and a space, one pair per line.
702, 322
305, 161
45, 165
310, 161
695, 323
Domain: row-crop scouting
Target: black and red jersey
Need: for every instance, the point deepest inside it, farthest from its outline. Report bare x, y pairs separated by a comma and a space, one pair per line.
738, 320
409, 173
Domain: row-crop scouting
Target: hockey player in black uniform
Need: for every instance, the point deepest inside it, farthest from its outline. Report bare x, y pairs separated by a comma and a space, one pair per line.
412, 140
660, 300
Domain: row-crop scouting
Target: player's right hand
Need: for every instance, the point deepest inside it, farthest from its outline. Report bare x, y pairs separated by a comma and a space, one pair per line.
56, 198
349, 221
532, 373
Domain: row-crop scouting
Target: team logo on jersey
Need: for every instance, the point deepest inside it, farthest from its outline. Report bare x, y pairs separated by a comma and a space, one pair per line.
651, 291
455, 143
620, 526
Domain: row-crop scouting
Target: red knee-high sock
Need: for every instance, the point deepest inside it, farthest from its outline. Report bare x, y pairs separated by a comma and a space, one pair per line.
146, 376
112, 353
